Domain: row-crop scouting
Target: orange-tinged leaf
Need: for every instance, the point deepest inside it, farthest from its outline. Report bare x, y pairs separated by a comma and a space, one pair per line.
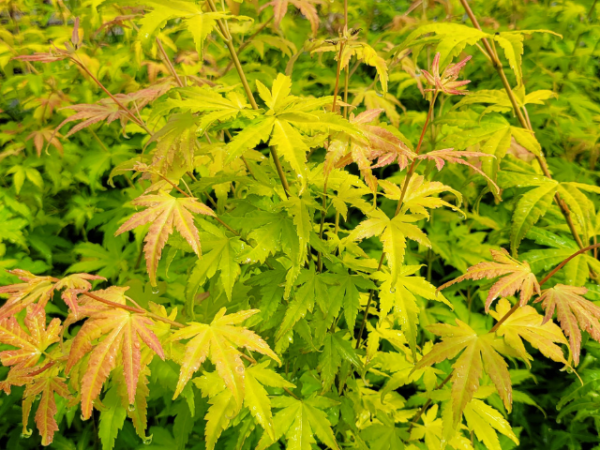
573, 312
515, 275
107, 109
47, 386
219, 342
29, 346
478, 353
375, 142
526, 323
449, 155
34, 290
122, 333
306, 7
165, 212
74, 285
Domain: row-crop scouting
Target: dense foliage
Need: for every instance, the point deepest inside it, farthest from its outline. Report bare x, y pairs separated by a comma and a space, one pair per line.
299, 224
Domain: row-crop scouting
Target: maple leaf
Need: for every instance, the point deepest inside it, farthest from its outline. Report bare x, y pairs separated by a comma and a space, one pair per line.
477, 352
573, 312
515, 276
165, 212
397, 293
224, 408
46, 385
433, 432
35, 289
55, 54
449, 155
392, 233
107, 109
446, 82
73, 286
419, 195
306, 7
219, 342
30, 346
119, 332
376, 142
361, 50
45, 135
300, 420
526, 323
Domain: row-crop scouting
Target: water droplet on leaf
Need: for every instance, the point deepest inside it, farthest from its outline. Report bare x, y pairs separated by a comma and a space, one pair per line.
26, 434
147, 440
131, 408
155, 290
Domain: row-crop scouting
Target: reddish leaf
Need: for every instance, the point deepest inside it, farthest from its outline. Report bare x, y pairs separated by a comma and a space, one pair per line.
29, 346
165, 212
573, 312
120, 333
449, 155
35, 289
516, 276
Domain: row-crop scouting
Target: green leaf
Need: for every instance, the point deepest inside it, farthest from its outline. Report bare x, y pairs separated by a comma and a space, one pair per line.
527, 139
112, 419
531, 207
299, 421
250, 137
183, 425
222, 256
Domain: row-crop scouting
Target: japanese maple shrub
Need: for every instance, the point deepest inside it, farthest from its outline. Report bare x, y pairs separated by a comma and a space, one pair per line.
360, 225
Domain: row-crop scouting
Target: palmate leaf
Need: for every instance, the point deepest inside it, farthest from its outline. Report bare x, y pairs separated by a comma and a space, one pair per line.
306, 7
120, 334
30, 346
419, 195
34, 290
74, 285
199, 23
526, 323
482, 419
165, 212
477, 352
222, 255
432, 431
106, 109
112, 419
174, 152
256, 399
219, 342
392, 233
335, 350
516, 276
300, 421
45, 386
574, 314
531, 207
376, 142
398, 295
448, 155
282, 125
